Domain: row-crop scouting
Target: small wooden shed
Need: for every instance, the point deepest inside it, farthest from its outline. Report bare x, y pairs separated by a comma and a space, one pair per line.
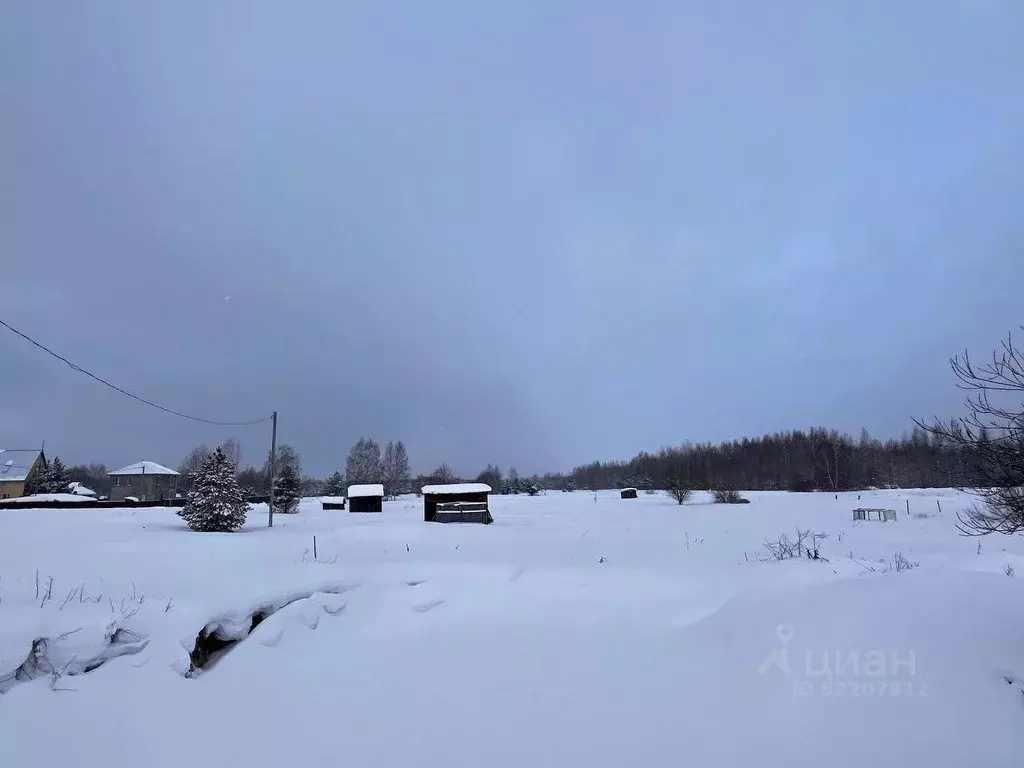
366, 498
332, 502
627, 493
474, 494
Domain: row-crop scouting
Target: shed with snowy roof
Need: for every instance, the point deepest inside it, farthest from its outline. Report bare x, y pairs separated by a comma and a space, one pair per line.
365, 498
454, 503
145, 481
627, 493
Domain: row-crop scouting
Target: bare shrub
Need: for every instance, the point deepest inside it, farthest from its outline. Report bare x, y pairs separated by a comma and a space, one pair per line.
900, 563
782, 548
729, 496
1008, 570
813, 551
679, 490
806, 543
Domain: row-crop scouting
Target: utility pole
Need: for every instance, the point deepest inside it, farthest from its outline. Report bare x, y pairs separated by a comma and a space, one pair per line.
273, 467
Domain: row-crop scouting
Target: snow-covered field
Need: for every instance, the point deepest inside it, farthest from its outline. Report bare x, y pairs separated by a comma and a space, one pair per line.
575, 631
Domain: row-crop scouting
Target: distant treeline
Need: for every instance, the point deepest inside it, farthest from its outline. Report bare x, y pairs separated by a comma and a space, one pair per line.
818, 459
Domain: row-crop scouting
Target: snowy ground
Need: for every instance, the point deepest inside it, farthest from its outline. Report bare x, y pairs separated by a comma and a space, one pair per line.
573, 631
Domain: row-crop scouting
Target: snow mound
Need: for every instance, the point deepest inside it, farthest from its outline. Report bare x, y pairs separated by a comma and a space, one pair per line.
571, 629
62, 497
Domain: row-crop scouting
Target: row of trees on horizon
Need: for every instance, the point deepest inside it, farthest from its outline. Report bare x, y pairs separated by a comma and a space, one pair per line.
816, 459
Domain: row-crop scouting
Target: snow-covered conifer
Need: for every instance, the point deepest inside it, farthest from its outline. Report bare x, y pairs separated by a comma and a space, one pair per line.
215, 502
56, 479
286, 490
334, 485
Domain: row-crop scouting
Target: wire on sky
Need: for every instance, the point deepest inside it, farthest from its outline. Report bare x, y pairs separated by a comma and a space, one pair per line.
125, 392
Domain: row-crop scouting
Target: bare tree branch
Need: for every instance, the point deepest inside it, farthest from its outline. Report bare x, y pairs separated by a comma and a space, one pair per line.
989, 440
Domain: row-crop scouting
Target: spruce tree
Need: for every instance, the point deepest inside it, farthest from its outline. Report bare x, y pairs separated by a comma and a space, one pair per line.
492, 477
56, 478
215, 502
286, 490
36, 482
334, 485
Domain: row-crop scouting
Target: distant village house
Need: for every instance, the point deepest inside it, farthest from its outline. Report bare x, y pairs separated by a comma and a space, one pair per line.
145, 481
16, 468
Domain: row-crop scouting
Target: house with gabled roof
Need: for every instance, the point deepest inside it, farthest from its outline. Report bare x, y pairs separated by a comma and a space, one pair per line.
16, 470
145, 481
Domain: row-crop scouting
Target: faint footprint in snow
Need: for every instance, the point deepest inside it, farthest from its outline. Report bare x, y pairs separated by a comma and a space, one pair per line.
334, 611
427, 606
516, 575
415, 583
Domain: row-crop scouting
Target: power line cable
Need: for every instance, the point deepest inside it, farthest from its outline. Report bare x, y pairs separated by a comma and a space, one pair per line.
116, 388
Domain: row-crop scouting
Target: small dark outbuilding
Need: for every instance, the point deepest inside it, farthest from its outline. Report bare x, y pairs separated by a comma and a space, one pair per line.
332, 502
628, 493
474, 494
365, 498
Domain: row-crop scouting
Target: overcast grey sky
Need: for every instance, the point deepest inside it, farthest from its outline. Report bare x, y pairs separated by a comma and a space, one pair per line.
534, 233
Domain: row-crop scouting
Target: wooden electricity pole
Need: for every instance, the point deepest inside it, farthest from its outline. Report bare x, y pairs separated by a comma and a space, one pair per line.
273, 468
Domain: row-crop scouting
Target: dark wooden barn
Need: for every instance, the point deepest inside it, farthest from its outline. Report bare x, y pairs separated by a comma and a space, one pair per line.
452, 498
365, 498
628, 493
332, 502
463, 512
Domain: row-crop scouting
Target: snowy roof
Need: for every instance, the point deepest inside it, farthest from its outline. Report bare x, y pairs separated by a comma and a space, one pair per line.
143, 468
357, 491
80, 490
456, 488
10, 472
630, 488
15, 465
332, 499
